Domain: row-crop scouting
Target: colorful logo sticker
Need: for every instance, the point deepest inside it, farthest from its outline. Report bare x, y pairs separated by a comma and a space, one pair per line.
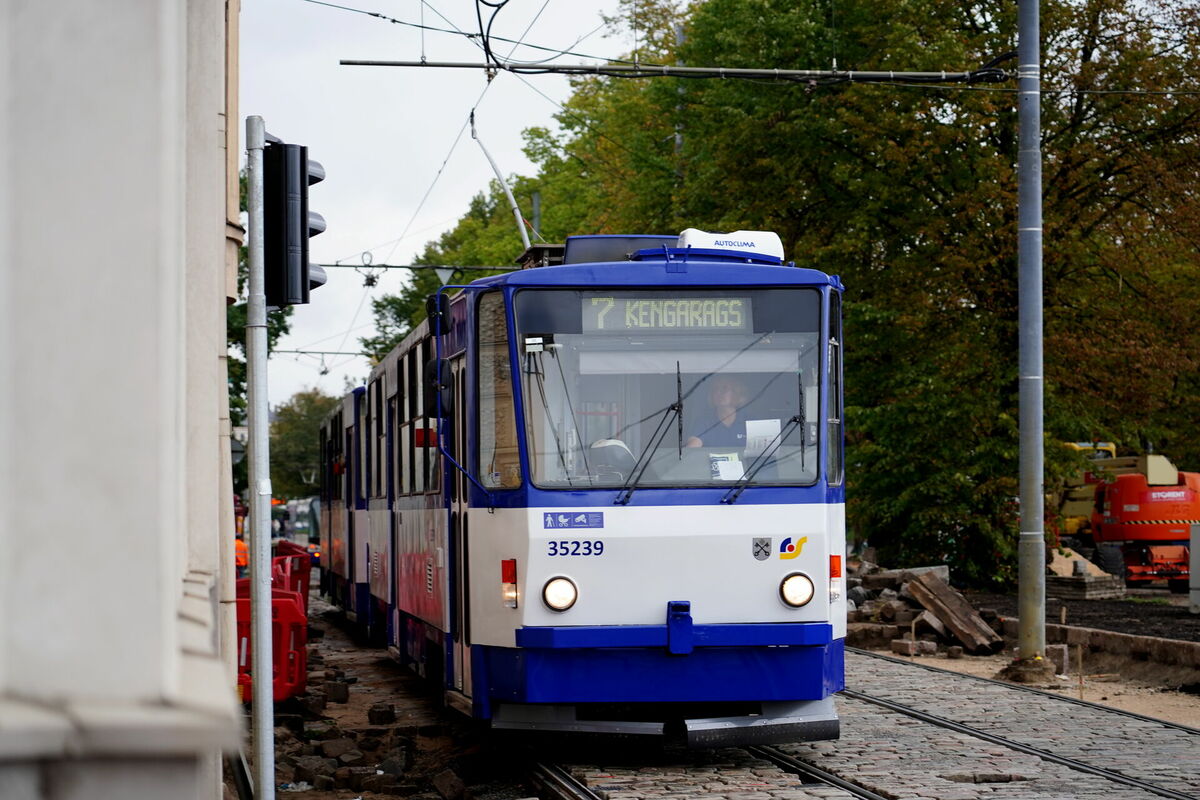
789, 550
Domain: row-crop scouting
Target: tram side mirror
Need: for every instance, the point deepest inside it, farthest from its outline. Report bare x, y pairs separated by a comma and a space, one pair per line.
437, 307
437, 382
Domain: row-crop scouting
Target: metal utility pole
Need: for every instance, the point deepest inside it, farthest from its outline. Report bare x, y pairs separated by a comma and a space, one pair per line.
1031, 598
259, 534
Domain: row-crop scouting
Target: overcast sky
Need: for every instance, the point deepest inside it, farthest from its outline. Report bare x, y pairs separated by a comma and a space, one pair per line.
383, 134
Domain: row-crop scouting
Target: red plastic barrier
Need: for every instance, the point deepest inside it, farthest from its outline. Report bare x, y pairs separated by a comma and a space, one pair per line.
292, 569
289, 634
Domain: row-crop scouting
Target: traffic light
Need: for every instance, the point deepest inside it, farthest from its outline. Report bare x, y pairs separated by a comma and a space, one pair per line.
288, 223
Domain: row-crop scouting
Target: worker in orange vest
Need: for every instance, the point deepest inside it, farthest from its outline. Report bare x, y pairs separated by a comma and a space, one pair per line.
241, 556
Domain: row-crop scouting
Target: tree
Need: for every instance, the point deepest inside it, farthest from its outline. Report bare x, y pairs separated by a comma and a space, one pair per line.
295, 443
909, 193
485, 235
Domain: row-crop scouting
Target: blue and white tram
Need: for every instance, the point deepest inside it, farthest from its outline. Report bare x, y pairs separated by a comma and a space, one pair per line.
612, 495
344, 547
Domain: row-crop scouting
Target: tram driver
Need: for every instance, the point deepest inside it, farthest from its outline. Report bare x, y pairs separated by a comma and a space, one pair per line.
723, 425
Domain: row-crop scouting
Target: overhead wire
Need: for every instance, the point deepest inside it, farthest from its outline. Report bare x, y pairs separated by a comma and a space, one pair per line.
1043, 90
421, 6
354, 319
455, 31
611, 60
338, 261
369, 284
327, 338
556, 53
453, 146
582, 121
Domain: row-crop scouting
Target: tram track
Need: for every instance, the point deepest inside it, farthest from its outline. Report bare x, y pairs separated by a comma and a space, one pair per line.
814, 773
1045, 755
557, 782
1028, 689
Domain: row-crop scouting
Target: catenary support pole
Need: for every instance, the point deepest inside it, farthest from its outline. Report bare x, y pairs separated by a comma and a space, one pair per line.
263, 713
1031, 633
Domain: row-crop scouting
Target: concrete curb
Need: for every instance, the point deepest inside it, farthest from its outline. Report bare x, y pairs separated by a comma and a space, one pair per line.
1173, 652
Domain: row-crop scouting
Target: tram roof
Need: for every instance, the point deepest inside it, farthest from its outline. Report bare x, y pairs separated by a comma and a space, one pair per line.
696, 271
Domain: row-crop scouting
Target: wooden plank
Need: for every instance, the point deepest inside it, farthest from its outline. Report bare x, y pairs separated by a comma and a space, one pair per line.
926, 620
955, 613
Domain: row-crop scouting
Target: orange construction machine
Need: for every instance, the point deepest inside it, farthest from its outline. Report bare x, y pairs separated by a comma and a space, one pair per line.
1141, 520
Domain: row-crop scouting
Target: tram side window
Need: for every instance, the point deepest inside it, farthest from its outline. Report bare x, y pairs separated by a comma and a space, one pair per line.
406, 412
379, 429
834, 464
394, 453
360, 455
406, 478
499, 464
396, 412
337, 461
326, 472
418, 425
429, 422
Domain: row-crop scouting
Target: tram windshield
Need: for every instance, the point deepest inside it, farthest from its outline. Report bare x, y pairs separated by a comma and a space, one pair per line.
705, 387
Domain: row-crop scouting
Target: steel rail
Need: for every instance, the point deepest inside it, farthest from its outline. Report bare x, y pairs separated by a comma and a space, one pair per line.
561, 783
793, 764
1031, 690
1045, 755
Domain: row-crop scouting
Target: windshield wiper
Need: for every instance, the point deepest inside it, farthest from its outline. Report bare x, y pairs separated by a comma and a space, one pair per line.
761, 460
571, 409
679, 410
673, 411
534, 368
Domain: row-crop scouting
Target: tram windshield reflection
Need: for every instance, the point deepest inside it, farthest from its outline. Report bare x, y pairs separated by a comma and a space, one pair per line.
700, 387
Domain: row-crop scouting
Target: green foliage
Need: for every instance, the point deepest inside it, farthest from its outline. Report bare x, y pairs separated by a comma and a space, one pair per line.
295, 444
1149, 601
486, 235
909, 193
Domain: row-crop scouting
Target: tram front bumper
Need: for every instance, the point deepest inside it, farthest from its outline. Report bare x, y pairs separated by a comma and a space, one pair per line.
810, 720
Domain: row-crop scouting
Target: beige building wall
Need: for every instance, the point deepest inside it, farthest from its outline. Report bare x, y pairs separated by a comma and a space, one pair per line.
113, 419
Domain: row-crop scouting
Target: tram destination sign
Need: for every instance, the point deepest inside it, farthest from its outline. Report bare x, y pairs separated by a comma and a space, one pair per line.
665, 314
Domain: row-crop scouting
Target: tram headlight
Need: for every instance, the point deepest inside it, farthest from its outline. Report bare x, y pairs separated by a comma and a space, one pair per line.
796, 589
560, 593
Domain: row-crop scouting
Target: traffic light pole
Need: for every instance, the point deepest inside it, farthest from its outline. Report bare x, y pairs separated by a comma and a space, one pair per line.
262, 661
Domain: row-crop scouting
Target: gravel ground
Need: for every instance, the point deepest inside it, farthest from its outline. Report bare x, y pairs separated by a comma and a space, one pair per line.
1146, 612
437, 755
427, 752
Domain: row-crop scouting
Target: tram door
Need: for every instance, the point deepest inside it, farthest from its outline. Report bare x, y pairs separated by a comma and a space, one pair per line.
460, 530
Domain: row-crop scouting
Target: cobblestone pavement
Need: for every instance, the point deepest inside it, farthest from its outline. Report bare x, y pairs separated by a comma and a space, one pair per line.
729, 774
900, 757
1148, 751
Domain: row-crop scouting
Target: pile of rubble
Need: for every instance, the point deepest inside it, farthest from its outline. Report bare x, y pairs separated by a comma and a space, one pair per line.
367, 727
324, 756
915, 612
